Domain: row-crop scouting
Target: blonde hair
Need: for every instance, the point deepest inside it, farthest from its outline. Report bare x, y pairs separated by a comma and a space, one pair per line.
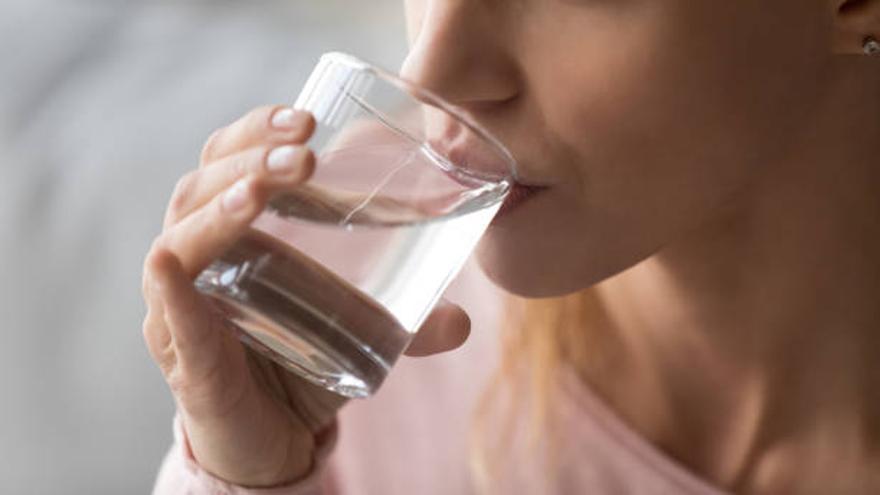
538, 338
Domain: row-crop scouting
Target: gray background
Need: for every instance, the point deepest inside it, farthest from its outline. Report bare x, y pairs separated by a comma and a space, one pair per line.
103, 105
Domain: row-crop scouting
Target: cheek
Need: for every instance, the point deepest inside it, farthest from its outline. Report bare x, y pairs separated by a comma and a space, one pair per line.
655, 120
671, 109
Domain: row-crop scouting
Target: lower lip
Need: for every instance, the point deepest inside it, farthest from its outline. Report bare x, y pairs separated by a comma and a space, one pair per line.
518, 195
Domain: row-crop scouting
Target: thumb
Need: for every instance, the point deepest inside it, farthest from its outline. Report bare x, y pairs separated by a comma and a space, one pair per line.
445, 329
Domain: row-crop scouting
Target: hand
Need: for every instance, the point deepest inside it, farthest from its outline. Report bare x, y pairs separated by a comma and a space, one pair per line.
248, 420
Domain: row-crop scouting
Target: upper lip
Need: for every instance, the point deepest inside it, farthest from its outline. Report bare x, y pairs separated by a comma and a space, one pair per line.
459, 145
467, 154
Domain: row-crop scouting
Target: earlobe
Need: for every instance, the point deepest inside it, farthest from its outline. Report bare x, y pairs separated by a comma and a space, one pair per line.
871, 46
857, 27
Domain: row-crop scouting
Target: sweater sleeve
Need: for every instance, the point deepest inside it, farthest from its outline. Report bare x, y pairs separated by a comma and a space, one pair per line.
181, 474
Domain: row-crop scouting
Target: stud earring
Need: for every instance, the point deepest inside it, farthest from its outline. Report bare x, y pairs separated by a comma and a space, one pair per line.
871, 46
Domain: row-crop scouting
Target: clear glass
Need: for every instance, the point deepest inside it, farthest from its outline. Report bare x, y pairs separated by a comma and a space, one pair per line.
336, 276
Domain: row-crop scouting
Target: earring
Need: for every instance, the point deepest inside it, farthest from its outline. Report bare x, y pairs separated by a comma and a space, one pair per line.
871, 46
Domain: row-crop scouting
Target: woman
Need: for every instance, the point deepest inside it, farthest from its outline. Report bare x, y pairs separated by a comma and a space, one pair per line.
703, 238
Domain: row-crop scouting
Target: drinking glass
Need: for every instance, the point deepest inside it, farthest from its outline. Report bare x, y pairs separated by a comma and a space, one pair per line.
335, 277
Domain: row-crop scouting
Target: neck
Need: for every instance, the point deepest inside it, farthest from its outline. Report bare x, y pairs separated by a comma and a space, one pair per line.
752, 342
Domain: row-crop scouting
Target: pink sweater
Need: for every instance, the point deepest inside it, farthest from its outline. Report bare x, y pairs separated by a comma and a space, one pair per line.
411, 437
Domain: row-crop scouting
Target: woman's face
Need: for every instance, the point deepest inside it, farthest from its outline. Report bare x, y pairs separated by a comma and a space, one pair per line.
642, 116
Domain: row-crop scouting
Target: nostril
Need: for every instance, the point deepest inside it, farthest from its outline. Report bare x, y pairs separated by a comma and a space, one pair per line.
476, 78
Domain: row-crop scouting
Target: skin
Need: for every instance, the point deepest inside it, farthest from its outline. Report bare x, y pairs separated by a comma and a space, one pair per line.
246, 419
712, 173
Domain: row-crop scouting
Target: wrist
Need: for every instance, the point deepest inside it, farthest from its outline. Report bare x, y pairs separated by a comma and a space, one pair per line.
304, 470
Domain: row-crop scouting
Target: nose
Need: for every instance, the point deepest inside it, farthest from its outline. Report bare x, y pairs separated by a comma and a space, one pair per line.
461, 53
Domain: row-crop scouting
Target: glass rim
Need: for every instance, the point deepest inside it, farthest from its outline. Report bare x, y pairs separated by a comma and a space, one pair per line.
426, 96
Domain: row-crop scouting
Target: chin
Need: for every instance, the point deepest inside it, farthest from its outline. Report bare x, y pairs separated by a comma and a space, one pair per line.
521, 271
537, 263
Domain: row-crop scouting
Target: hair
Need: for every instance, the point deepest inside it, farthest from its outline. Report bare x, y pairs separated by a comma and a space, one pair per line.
538, 338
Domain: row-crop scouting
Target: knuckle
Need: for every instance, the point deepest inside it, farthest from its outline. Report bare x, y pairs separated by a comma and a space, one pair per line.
150, 261
251, 163
166, 358
155, 256
261, 156
160, 345
183, 191
210, 146
150, 258
157, 339
177, 384
146, 284
156, 247
184, 383
258, 120
149, 329
184, 184
245, 163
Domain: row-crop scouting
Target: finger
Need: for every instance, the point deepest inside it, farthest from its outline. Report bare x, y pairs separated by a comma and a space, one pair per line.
312, 404
282, 165
446, 329
194, 337
156, 336
210, 231
274, 124
154, 331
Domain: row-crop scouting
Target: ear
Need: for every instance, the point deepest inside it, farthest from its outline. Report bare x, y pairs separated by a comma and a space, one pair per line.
855, 20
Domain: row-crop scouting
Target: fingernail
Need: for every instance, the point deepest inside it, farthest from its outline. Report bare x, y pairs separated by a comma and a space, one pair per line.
286, 118
282, 159
236, 197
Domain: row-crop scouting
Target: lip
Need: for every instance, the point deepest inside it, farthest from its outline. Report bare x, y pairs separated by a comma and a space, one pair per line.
518, 195
474, 158
482, 161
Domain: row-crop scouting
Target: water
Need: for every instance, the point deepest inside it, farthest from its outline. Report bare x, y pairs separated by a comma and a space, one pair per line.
378, 259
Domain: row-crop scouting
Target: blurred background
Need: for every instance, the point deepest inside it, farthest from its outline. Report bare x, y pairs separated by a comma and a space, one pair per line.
104, 104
